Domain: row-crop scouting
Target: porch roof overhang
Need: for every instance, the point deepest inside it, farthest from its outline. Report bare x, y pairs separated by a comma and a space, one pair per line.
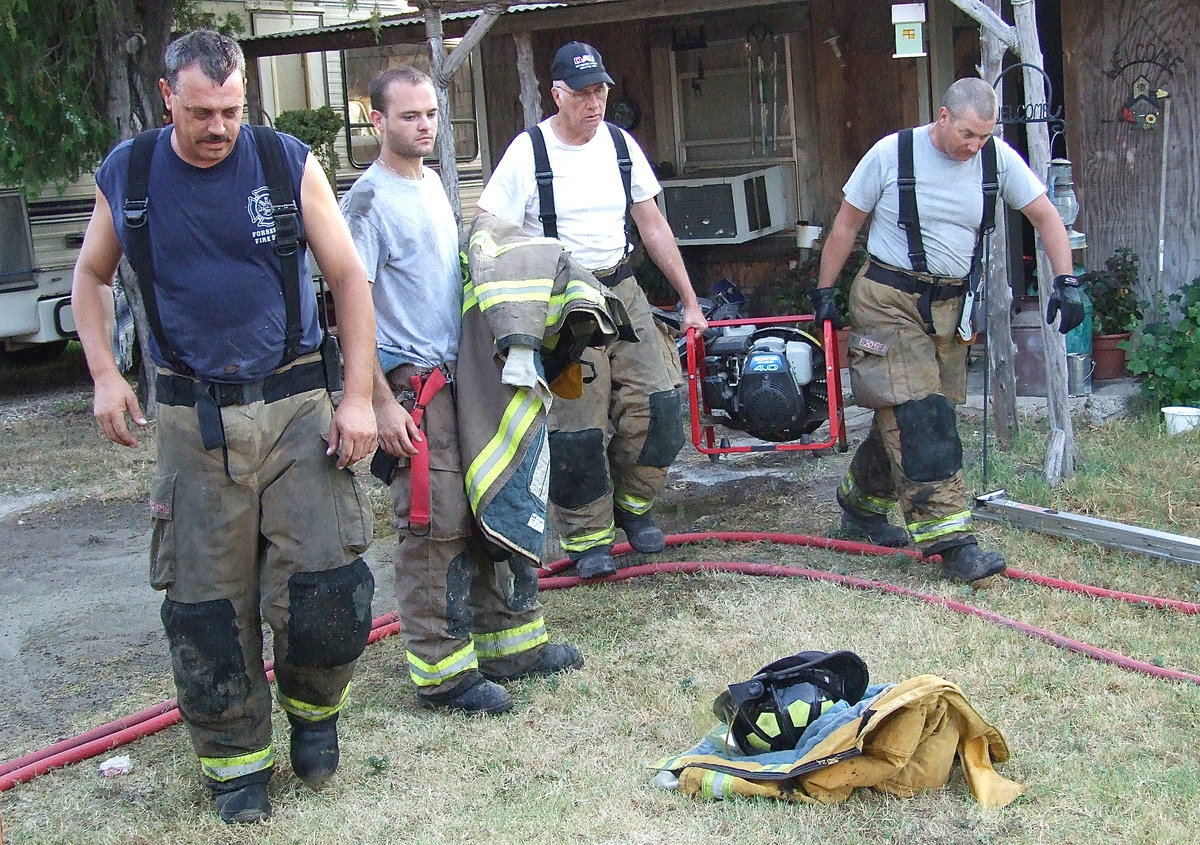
457, 18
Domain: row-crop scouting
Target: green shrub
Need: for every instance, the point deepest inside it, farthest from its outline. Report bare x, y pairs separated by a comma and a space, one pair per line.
1113, 292
319, 128
1166, 353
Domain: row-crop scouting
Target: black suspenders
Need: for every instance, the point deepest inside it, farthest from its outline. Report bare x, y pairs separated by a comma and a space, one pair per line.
910, 218
289, 235
545, 178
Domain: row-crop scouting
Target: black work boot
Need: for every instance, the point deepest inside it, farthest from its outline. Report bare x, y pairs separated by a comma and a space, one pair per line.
872, 527
641, 531
242, 800
481, 696
552, 659
595, 562
967, 563
314, 749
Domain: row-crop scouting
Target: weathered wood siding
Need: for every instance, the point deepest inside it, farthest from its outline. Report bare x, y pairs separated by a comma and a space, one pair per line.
871, 96
1118, 168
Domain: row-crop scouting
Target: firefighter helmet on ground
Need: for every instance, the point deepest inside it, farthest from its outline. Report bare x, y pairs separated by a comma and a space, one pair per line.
770, 711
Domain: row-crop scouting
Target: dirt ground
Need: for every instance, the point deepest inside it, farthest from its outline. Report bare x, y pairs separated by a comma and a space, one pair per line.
80, 638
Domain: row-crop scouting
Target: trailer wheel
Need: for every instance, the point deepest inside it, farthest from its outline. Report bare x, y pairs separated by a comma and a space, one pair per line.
32, 356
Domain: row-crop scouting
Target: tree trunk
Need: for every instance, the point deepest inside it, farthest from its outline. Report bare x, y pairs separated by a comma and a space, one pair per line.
130, 58
531, 100
1061, 450
1000, 348
442, 68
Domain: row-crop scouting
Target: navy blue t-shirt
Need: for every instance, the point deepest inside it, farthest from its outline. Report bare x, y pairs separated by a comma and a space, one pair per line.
212, 242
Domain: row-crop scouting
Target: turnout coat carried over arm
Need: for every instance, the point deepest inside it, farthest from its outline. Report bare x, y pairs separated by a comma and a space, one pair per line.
520, 291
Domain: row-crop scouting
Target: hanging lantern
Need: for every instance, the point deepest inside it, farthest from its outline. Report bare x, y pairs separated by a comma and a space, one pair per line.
909, 21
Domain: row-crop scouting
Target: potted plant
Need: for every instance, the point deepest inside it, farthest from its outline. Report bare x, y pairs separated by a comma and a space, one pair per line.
1166, 354
1116, 310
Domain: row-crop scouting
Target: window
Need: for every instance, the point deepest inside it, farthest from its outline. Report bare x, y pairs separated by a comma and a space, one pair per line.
363, 64
733, 104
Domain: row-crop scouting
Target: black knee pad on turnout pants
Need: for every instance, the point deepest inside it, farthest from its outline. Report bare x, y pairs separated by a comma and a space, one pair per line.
578, 467
330, 615
930, 449
665, 437
207, 657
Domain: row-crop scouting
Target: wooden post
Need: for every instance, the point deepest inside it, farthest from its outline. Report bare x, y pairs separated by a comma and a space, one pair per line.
1000, 348
1061, 450
441, 69
531, 99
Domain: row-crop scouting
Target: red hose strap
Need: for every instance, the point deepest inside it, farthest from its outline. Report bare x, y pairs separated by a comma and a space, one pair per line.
418, 513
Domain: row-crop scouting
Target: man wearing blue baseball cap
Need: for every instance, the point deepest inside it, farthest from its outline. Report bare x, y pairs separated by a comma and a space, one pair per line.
598, 181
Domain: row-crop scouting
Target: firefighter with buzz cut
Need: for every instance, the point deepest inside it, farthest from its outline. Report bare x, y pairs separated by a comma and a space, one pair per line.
933, 191
257, 515
466, 631
578, 179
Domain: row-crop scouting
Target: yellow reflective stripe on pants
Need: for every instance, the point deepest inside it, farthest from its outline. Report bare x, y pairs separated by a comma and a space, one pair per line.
859, 500
311, 712
520, 414
430, 675
631, 504
513, 641
228, 768
605, 536
956, 523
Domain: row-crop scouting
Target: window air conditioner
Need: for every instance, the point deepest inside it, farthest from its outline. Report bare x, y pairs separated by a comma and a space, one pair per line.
726, 207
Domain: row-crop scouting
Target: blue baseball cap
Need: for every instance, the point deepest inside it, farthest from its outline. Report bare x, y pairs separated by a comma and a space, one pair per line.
579, 65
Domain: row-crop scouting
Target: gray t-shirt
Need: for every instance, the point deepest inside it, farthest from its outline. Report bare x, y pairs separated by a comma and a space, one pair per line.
949, 200
407, 238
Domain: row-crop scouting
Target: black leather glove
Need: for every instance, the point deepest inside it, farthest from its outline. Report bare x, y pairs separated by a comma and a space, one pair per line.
1065, 302
824, 308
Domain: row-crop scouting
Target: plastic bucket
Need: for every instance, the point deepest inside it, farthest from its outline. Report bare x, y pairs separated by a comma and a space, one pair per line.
1079, 374
1181, 418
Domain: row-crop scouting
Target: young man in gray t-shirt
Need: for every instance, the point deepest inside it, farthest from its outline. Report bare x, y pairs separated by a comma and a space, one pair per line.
462, 631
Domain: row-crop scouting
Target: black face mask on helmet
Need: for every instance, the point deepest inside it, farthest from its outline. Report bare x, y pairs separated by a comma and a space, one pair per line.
770, 711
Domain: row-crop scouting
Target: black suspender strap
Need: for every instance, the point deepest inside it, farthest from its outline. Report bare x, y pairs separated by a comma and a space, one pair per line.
137, 191
289, 232
909, 219
545, 182
991, 188
625, 164
545, 178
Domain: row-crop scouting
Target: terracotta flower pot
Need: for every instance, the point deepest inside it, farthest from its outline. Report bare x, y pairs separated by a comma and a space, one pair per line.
843, 345
1109, 360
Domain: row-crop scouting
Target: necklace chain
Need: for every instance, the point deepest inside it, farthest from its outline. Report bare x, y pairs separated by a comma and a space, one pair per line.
397, 172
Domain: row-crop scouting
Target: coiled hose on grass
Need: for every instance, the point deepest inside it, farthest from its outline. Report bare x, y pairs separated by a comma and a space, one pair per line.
104, 738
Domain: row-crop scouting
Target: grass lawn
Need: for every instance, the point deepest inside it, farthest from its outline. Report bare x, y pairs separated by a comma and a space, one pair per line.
1106, 755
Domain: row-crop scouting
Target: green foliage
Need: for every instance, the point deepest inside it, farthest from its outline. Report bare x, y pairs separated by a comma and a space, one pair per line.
1113, 292
52, 127
793, 293
1167, 354
189, 16
319, 128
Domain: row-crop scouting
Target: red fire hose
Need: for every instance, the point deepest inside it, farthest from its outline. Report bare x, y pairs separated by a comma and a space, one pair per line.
153, 719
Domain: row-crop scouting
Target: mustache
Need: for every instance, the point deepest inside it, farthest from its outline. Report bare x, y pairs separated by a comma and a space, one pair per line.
215, 138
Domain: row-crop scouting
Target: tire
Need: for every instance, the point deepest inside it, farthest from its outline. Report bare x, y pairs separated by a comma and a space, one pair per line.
33, 356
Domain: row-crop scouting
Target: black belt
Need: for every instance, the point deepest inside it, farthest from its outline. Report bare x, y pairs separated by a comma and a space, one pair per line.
926, 292
179, 390
614, 275
208, 397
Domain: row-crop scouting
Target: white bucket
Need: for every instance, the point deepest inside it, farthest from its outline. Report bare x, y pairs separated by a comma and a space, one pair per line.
1181, 418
